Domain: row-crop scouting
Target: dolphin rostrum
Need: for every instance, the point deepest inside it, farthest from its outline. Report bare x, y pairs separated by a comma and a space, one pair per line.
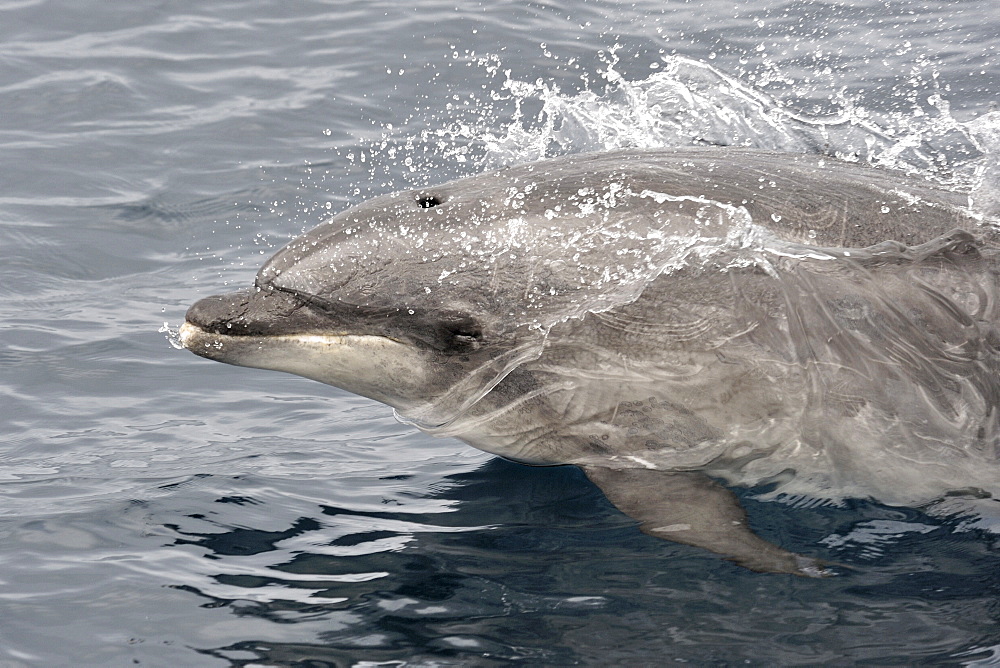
664, 319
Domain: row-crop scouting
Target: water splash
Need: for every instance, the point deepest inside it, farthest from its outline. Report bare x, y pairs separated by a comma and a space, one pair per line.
173, 336
688, 102
985, 192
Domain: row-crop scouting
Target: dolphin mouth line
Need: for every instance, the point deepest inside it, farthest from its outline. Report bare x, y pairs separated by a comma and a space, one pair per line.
192, 335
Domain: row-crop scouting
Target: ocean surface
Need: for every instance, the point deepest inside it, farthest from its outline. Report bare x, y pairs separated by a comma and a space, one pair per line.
157, 509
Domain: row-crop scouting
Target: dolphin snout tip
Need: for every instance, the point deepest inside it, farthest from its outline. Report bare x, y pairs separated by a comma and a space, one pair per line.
187, 333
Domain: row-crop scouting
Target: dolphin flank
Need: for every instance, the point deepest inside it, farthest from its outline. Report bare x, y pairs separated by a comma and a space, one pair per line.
664, 319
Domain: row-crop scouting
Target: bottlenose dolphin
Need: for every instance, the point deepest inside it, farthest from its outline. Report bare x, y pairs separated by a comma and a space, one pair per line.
664, 319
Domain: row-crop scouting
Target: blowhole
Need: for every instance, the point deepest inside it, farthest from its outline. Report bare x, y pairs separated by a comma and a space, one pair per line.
428, 201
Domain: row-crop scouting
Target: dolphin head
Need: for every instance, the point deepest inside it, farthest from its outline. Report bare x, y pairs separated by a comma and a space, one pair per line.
389, 300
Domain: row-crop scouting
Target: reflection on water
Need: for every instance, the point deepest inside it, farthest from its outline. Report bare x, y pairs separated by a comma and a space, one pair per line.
553, 579
497, 563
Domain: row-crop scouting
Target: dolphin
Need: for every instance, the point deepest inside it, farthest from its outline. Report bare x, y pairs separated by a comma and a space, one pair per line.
675, 322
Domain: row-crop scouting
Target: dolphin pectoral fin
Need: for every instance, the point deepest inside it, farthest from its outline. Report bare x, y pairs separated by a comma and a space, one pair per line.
691, 508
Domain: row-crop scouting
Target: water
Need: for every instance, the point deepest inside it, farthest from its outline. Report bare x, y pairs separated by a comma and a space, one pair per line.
156, 509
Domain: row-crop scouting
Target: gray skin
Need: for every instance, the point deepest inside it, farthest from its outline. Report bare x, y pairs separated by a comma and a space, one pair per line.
662, 319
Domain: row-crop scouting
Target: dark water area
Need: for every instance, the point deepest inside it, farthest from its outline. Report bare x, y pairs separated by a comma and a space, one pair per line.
160, 510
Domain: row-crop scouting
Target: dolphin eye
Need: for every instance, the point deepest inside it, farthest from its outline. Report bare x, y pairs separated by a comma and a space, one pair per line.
425, 201
466, 337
